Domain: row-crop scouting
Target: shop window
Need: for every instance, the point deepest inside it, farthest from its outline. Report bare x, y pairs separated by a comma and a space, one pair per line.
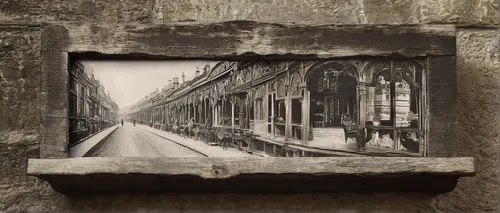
394, 105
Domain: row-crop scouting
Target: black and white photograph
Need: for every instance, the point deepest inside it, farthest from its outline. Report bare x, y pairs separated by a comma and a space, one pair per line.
194, 108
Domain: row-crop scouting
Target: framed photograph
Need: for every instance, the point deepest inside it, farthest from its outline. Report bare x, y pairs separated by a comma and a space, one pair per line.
202, 108
248, 108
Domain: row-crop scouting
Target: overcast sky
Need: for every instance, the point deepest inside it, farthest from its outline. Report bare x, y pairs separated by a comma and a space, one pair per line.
130, 81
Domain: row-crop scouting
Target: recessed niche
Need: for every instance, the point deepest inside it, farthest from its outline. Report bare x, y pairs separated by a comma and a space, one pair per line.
249, 107
194, 108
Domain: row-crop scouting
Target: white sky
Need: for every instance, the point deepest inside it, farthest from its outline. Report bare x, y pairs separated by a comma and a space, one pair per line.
130, 81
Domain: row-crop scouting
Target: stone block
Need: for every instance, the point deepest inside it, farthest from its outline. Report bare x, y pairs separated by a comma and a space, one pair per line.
19, 106
80, 11
19, 42
275, 11
478, 86
469, 12
473, 12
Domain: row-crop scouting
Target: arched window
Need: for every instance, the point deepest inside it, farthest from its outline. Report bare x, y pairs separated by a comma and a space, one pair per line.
394, 105
281, 90
295, 85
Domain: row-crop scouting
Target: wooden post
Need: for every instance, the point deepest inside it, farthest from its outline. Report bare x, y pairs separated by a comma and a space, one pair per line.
247, 112
195, 112
232, 114
306, 116
241, 113
165, 113
273, 132
288, 117
361, 90
214, 115
188, 112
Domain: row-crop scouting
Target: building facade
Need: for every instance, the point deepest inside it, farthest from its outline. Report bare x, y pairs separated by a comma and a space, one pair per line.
304, 107
91, 108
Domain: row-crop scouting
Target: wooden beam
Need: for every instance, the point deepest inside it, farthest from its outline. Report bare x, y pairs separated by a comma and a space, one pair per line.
353, 174
238, 38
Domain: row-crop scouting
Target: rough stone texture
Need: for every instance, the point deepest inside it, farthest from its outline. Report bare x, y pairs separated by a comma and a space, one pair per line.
83, 11
470, 12
478, 80
19, 83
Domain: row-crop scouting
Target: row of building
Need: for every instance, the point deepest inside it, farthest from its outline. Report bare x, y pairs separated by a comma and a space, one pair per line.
301, 106
91, 108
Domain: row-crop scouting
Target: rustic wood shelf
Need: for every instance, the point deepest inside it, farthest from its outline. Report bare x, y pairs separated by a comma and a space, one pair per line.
251, 174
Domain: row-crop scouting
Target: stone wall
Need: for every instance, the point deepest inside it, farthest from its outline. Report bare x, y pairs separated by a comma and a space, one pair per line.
478, 67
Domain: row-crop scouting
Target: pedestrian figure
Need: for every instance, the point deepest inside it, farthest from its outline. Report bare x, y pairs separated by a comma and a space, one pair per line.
208, 122
175, 128
122, 122
224, 144
134, 122
190, 126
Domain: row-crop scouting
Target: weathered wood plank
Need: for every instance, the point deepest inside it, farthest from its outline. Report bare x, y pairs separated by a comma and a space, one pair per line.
215, 168
442, 104
244, 38
163, 175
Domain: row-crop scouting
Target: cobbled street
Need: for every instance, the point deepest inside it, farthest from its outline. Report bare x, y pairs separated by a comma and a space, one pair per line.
132, 141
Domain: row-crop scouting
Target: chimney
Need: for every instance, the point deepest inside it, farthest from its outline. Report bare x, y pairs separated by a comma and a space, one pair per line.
183, 77
176, 82
197, 72
206, 69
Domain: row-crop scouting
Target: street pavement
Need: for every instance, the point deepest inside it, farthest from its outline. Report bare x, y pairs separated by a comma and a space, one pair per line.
210, 151
133, 141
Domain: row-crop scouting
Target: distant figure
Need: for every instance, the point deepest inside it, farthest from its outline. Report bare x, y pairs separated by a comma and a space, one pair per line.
122, 121
209, 121
224, 144
134, 122
190, 126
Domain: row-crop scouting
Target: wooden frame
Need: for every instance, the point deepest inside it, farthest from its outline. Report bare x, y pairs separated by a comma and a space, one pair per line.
243, 40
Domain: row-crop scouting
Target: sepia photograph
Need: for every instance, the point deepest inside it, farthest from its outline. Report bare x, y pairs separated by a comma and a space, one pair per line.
189, 108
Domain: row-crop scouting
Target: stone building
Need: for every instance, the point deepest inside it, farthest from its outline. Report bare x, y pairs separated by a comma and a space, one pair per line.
23, 24
91, 108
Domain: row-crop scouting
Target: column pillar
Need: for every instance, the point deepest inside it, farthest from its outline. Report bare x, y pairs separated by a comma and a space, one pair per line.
241, 113
195, 110
273, 132
214, 121
288, 116
306, 113
189, 112
232, 114
361, 106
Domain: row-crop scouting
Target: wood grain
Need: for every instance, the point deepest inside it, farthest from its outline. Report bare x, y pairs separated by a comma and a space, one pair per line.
241, 39
253, 175
215, 168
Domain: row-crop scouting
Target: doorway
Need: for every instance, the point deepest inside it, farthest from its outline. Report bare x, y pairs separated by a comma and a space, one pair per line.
333, 95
